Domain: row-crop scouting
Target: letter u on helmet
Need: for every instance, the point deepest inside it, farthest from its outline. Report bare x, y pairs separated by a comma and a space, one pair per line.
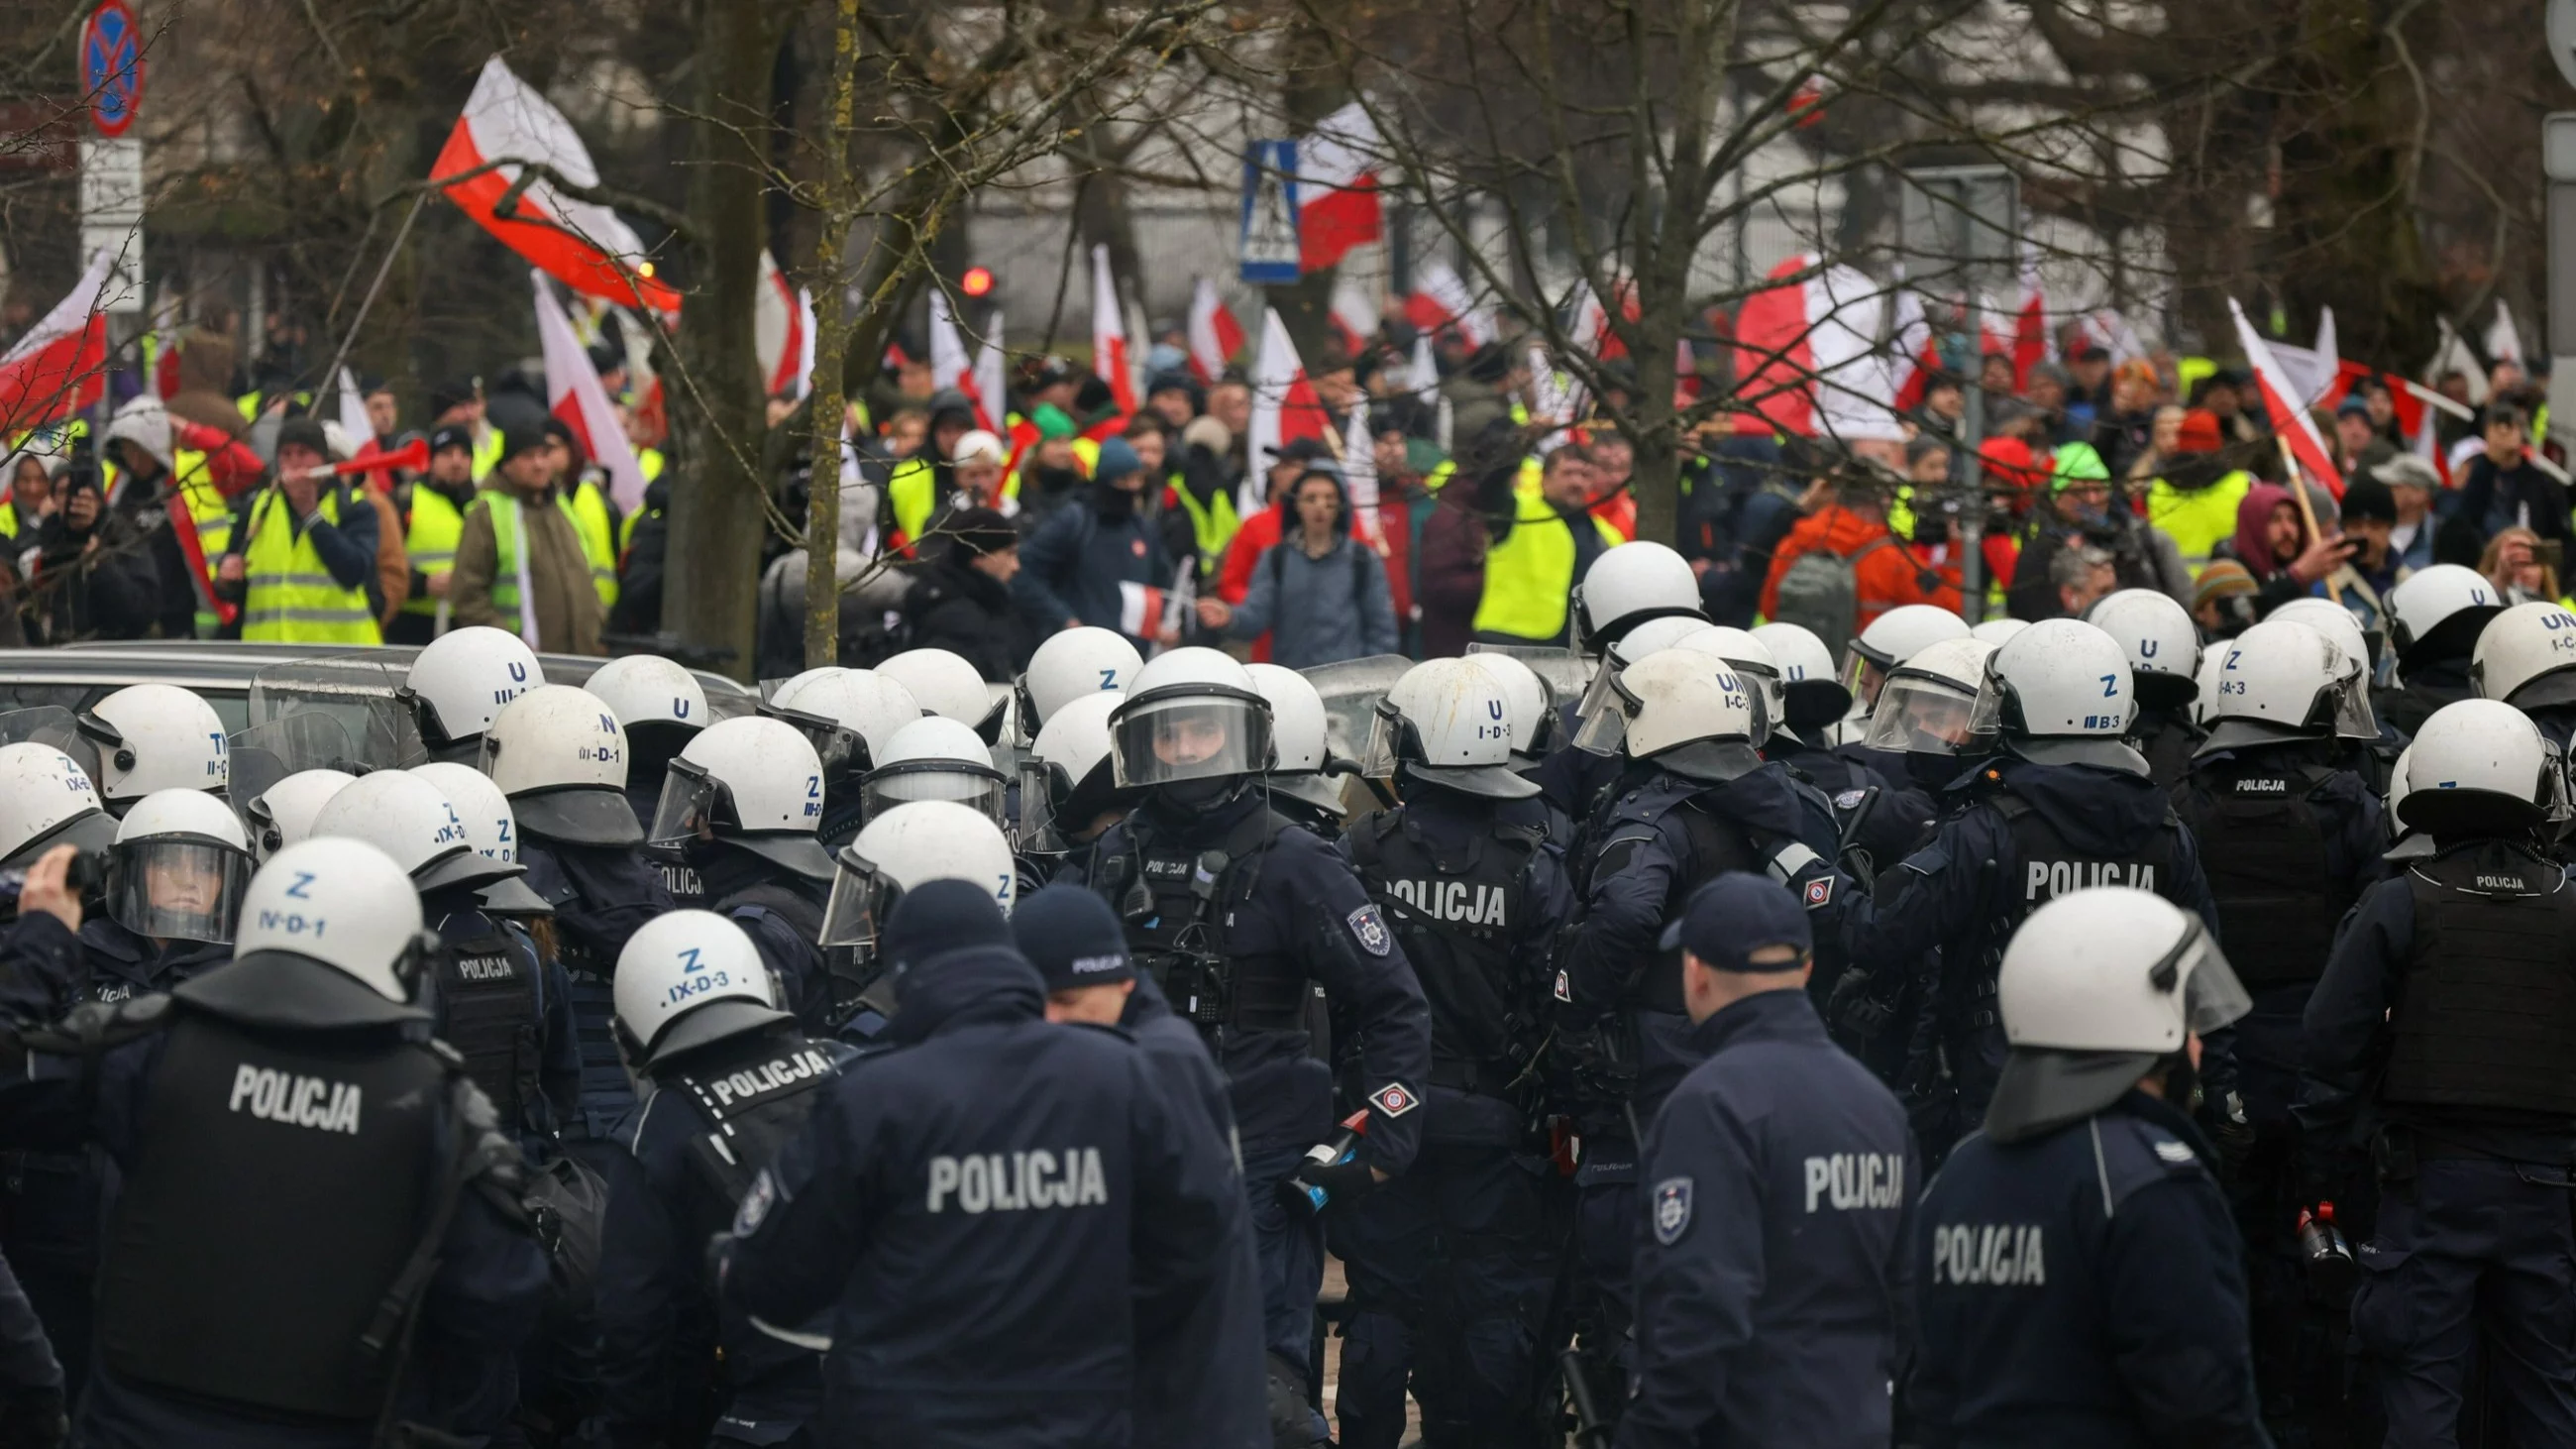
651, 694
2438, 612
2526, 656
1449, 723
1685, 710
2162, 642
461, 681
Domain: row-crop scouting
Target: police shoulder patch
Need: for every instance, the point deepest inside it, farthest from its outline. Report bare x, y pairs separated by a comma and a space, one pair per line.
2174, 1152
755, 1205
1820, 892
1850, 799
1369, 929
1394, 1100
1672, 1209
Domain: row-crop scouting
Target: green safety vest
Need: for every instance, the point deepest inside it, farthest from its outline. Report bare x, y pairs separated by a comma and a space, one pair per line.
487, 453
1529, 576
292, 597
1212, 524
430, 540
504, 507
2197, 518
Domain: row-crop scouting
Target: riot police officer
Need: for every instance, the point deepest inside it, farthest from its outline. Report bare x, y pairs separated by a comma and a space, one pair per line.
850, 717
2074, 1264
1200, 1382
392, 1284
905, 848
1234, 912
948, 686
1889, 641
1304, 781
2163, 646
2435, 617
2525, 657
559, 757
283, 813
935, 758
729, 1079
1044, 1173
661, 706
173, 886
1067, 799
2437, 1049
1882, 819
1072, 664
1628, 585
1450, 1265
2065, 803
739, 806
460, 682
1577, 778
1774, 1281
154, 737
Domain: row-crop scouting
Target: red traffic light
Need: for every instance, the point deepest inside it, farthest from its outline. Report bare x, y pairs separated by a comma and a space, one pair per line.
977, 282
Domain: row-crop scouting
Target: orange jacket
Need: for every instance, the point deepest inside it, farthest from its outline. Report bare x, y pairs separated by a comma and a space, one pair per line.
1887, 577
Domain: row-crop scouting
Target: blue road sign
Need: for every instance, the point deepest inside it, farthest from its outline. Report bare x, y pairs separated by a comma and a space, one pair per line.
1270, 221
111, 64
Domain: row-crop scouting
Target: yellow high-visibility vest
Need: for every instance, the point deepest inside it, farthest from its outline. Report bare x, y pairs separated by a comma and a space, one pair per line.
292, 597
1529, 576
2197, 518
504, 507
597, 524
430, 540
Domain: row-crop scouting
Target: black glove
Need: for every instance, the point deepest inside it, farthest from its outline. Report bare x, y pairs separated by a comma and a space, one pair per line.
1341, 1182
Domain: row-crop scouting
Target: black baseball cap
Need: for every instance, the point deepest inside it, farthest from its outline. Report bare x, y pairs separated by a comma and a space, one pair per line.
451, 436
1737, 914
1073, 938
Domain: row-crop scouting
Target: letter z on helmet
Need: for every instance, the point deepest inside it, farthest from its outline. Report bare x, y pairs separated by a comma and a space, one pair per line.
752, 782
901, 850
688, 978
338, 903
2059, 693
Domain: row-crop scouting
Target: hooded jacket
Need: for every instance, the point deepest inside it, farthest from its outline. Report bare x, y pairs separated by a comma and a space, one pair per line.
1072, 567
1318, 610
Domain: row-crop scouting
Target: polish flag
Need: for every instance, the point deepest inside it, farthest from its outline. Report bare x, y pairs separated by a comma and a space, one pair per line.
1443, 301
1140, 609
587, 247
1215, 337
201, 577
2503, 339
1994, 337
2032, 344
2105, 328
782, 328
60, 366
1284, 409
1806, 349
1337, 200
1109, 334
1918, 359
991, 392
1359, 480
2287, 409
950, 366
573, 394
2316, 371
1353, 316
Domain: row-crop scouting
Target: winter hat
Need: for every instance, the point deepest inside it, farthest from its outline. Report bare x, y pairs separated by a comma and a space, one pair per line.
1117, 459
521, 438
976, 532
1208, 433
2076, 463
1052, 421
937, 917
1073, 938
2367, 497
2222, 578
303, 432
2199, 433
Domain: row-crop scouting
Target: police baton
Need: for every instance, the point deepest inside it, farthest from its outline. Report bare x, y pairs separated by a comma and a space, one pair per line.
1591, 1431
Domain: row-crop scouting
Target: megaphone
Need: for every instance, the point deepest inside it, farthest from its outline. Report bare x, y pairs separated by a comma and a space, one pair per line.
412, 456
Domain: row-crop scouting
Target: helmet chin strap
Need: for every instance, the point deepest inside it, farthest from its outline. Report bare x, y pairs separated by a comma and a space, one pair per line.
1202, 794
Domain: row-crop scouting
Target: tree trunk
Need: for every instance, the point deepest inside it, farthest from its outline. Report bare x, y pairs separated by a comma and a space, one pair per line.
831, 305
716, 518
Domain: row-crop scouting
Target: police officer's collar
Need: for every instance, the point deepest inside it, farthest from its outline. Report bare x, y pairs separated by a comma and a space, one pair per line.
2042, 1089
1764, 1015
2097, 752
279, 988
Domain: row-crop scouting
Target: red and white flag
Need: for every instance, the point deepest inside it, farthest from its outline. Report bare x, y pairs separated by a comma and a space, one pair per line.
573, 394
950, 366
1337, 200
587, 247
1284, 409
1215, 337
2032, 342
1353, 316
2503, 339
2287, 409
1359, 479
60, 366
1442, 300
1918, 358
1806, 349
2105, 328
1140, 609
1109, 334
992, 392
2317, 371
782, 328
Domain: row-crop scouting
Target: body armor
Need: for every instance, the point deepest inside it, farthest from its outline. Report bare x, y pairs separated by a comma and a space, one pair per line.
1456, 917
2263, 850
490, 999
752, 1095
2487, 1017
1168, 895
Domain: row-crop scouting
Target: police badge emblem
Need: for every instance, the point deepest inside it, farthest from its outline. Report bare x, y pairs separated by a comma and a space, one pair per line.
1370, 929
755, 1205
1850, 799
1820, 891
1394, 1100
1672, 1209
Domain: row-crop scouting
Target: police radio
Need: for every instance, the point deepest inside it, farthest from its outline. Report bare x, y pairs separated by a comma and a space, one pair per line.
1344, 1147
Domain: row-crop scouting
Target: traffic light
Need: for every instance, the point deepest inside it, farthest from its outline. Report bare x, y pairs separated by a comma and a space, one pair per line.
976, 282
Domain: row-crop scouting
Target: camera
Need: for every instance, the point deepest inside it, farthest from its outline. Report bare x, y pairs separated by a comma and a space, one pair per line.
85, 874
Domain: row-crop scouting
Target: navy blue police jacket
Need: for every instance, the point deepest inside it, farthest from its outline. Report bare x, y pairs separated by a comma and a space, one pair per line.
976, 1204
2082, 1286
601, 896
1301, 902
558, 1042
1774, 1281
794, 959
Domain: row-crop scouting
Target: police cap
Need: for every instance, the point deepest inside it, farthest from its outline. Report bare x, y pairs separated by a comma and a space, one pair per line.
1737, 914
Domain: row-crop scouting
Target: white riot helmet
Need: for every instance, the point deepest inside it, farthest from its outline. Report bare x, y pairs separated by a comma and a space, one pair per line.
1598, 720
413, 822
2058, 692
2438, 611
178, 868
2205, 681
1996, 631
2481, 767
1446, 722
155, 737
947, 685
1929, 703
1812, 690
492, 828
2405, 842
2162, 643
753, 781
1073, 663
1064, 777
901, 850
2096, 988
1537, 732
1684, 710
1303, 768
46, 800
1193, 718
560, 755
849, 716
2338, 625
2282, 680
460, 682
1629, 584
935, 758
283, 813
1755, 664
1890, 640
687, 978
335, 903
2526, 656
651, 695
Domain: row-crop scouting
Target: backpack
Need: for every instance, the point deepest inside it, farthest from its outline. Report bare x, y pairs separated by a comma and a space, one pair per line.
1821, 592
1273, 560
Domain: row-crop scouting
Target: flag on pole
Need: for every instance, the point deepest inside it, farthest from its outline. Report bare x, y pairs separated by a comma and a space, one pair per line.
1337, 199
2032, 343
586, 246
1215, 337
1284, 409
573, 394
1140, 609
1424, 370
2282, 403
1109, 334
950, 367
1807, 353
1442, 300
992, 391
60, 365
782, 328
2504, 340
1359, 480
1918, 358
1353, 315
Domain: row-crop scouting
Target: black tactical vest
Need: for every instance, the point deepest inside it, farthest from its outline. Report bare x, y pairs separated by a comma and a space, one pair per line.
2047, 867
804, 921
2263, 852
2487, 1015
2167, 743
1169, 896
752, 1095
280, 1183
490, 1002
1456, 919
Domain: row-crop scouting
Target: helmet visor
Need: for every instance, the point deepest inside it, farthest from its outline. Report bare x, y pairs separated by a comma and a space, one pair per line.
1769, 702
2212, 996
1040, 784
833, 744
51, 724
1196, 736
1386, 734
980, 790
1862, 676
687, 809
861, 898
174, 888
1924, 716
2353, 716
